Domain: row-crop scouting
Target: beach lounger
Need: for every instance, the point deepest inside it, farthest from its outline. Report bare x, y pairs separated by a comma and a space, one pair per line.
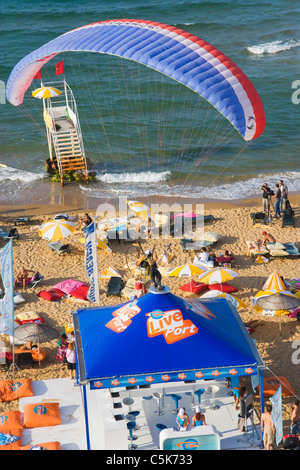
59, 248
188, 244
288, 220
22, 220
115, 285
258, 217
13, 233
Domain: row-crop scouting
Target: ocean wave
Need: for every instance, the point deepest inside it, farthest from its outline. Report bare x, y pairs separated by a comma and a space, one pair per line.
273, 47
229, 191
14, 174
147, 177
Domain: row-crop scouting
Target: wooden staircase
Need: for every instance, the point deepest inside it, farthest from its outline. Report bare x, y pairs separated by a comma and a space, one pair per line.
68, 151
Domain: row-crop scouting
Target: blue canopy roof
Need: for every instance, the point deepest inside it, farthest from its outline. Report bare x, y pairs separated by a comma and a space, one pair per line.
160, 338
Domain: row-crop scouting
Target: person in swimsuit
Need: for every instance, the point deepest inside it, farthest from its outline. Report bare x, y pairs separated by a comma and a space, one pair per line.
22, 276
198, 419
182, 419
268, 428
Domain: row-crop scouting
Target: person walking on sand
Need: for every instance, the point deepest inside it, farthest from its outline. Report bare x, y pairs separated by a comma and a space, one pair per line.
284, 194
268, 428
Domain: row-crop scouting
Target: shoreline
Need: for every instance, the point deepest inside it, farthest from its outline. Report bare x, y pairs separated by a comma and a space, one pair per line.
71, 203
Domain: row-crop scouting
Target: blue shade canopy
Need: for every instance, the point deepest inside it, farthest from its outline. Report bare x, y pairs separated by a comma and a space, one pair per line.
160, 338
174, 52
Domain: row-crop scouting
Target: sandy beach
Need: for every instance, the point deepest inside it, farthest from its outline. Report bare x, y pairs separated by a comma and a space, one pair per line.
232, 221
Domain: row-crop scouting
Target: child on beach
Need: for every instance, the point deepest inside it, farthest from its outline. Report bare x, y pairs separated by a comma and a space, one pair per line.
71, 359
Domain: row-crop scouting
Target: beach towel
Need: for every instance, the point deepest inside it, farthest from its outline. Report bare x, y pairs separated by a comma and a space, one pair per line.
68, 286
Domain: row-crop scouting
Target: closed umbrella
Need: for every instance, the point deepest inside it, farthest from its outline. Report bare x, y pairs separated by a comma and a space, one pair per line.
218, 275
186, 270
36, 332
279, 302
55, 230
46, 92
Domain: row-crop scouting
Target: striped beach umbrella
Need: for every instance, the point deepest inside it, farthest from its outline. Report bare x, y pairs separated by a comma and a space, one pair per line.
55, 230
46, 92
274, 281
186, 270
266, 311
100, 244
229, 297
218, 275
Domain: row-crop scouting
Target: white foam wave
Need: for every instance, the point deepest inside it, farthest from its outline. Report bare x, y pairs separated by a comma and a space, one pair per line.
143, 177
229, 191
13, 174
273, 47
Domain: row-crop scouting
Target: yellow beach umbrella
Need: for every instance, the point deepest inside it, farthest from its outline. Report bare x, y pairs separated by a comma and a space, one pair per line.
141, 209
218, 275
274, 281
266, 293
55, 230
46, 92
186, 270
100, 244
231, 298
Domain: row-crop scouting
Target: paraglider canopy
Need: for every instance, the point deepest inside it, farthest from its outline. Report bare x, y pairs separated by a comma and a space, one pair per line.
167, 49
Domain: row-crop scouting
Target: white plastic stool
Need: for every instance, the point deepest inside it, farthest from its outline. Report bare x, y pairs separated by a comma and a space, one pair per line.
213, 389
158, 397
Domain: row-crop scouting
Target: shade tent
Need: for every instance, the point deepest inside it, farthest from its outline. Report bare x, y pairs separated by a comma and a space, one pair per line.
162, 338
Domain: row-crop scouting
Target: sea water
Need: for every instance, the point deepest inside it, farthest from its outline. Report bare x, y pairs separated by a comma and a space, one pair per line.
145, 134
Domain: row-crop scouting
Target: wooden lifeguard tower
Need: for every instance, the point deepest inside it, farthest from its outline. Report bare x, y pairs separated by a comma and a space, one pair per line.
66, 149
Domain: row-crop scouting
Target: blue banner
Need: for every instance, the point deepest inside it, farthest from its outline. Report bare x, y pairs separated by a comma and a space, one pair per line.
276, 400
91, 262
7, 303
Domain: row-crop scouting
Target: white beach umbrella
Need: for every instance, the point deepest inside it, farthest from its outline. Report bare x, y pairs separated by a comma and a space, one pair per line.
46, 92
231, 298
218, 275
141, 209
55, 230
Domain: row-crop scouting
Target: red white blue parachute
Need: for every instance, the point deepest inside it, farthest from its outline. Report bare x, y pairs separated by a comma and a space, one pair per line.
167, 49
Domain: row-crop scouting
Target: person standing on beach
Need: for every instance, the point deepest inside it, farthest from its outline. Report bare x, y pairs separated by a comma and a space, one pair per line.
277, 197
268, 428
71, 359
284, 194
266, 198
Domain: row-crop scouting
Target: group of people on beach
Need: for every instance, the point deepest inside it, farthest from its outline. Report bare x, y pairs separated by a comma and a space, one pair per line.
280, 195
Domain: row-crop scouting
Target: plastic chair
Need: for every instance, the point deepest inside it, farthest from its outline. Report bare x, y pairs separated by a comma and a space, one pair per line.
158, 397
177, 399
199, 394
130, 426
213, 389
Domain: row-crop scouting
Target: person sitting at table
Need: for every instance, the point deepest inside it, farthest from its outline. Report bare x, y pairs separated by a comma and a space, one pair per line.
182, 419
198, 419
